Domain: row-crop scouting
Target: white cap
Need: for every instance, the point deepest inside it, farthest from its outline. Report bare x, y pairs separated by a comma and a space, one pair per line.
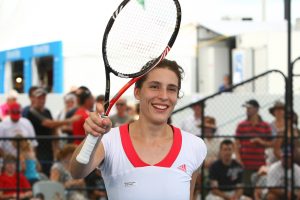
13, 94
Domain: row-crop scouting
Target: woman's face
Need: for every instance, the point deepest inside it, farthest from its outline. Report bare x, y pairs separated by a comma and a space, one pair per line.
279, 113
158, 95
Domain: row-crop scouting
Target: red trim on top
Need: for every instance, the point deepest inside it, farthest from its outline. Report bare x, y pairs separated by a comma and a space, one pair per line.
136, 161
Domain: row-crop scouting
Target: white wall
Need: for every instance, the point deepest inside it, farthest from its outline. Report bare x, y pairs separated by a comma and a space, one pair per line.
271, 50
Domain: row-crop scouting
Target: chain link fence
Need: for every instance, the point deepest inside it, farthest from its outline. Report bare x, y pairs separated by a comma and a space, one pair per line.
216, 118
221, 113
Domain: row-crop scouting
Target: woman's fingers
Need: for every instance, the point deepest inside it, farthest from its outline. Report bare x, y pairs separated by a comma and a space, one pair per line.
97, 125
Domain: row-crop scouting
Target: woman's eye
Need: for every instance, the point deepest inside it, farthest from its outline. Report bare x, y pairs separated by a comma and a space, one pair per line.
154, 86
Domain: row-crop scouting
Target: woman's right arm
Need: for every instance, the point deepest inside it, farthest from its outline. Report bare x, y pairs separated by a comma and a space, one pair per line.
96, 126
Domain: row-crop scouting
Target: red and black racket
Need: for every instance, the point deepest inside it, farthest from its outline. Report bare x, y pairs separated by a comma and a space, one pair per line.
139, 34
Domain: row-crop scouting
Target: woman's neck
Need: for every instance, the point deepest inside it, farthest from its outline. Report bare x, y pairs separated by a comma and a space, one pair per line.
149, 131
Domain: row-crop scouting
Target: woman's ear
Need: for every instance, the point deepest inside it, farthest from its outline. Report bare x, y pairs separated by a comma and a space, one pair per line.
137, 93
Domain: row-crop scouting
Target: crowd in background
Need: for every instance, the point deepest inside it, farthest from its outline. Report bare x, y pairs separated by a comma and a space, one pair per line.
254, 158
44, 159
251, 161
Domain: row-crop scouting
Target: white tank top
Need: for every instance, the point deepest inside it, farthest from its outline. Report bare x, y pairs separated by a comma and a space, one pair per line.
127, 177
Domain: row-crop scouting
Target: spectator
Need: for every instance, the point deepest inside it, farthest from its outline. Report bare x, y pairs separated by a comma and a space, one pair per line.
60, 171
277, 110
279, 141
121, 117
226, 175
10, 99
8, 181
86, 104
132, 112
276, 178
28, 159
15, 125
95, 182
44, 125
226, 84
70, 101
251, 142
192, 122
77, 92
31, 98
211, 142
277, 126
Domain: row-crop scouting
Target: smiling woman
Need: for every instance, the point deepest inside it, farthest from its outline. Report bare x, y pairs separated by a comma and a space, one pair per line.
146, 152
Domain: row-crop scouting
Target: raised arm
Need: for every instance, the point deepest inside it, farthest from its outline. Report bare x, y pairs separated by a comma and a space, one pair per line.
96, 126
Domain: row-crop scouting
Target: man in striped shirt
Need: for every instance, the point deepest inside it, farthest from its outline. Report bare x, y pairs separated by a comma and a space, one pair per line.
252, 139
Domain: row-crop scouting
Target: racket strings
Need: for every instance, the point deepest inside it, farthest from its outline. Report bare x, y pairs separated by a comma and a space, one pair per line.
140, 34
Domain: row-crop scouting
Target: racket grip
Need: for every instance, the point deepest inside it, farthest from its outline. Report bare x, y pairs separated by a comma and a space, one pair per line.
88, 146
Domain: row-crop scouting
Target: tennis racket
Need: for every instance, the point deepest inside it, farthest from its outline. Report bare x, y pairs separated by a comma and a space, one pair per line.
139, 34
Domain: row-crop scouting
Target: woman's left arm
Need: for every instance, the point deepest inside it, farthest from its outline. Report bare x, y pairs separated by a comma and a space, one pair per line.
193, 183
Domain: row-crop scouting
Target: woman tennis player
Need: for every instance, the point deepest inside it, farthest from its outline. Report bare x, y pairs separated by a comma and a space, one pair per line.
147, 159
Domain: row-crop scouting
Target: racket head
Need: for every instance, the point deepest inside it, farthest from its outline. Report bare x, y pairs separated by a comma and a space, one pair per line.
138, 36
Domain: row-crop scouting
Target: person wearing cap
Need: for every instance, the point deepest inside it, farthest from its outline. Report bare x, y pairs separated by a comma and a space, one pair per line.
8, 180
277, 126
277, 111
44, 125
26, 109
86, 103
192, 122
15, 125
121, 117
10, 99
251, 141
276, 178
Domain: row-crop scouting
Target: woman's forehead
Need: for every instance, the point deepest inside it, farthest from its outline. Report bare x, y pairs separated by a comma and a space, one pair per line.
158, 74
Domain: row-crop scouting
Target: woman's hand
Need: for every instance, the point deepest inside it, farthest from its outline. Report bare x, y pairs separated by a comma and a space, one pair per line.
97, 125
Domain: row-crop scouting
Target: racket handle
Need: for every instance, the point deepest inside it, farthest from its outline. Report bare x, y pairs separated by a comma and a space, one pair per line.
88, 146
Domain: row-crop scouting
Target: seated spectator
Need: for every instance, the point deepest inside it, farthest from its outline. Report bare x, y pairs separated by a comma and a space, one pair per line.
276, 178
8, 181
226, 175
212, 143
28, 159
14, 125
277, 126
60, 171
95, 184
279, 141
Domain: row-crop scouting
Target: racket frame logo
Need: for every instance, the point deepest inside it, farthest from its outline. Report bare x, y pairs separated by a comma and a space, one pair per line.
117, 12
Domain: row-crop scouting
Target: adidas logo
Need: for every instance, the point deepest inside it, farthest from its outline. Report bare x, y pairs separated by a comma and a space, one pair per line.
182, 167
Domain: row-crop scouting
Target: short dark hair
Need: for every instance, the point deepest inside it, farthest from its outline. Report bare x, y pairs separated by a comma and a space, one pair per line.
31, 90
226, 142
82, 94
168, 64
9, 158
